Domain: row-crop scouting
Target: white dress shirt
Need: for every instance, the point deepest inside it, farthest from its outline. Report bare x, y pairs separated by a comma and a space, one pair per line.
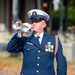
41, 36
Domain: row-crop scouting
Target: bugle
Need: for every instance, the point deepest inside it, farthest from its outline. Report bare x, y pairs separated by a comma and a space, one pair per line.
23, 27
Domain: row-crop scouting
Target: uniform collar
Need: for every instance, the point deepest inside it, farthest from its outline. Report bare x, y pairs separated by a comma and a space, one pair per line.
41, 35
44, 41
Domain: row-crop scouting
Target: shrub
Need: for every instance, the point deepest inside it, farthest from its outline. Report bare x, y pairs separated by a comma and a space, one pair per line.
56, 18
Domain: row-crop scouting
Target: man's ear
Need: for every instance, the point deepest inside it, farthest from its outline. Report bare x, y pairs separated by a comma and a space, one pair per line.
44, 24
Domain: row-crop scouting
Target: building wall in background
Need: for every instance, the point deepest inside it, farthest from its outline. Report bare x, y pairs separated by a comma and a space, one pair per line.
1, 15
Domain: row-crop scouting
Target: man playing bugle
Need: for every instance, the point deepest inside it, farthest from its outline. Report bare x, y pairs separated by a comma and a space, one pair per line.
39, 48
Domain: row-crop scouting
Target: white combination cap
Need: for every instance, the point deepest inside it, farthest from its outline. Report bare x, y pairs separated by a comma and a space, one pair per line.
38, 14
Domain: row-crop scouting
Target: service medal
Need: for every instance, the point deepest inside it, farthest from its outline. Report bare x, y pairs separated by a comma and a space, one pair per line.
46, 46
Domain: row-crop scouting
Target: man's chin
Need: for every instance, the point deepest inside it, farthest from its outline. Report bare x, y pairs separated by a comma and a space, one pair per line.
34, 32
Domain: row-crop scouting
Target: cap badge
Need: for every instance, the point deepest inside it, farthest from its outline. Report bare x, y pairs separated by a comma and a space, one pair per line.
34, 13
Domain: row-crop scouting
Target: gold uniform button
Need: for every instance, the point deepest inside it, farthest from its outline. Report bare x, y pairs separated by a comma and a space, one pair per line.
38, 57
28, 49
39, 51
38, 64
37, 71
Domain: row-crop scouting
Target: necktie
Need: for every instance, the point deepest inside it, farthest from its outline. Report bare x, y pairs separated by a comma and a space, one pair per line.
38, 38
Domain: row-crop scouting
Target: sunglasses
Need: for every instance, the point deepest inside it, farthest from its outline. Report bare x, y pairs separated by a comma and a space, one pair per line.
36, 20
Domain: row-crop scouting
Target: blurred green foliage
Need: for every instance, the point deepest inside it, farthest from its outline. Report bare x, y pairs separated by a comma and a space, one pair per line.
71, 16
56, 18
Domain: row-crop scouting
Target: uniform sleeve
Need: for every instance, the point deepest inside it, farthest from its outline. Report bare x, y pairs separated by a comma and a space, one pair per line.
15, 45
61, 60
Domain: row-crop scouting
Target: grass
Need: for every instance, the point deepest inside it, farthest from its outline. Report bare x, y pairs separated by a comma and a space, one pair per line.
10, 63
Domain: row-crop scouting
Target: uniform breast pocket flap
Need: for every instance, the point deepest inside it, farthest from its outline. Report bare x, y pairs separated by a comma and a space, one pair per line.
28, 47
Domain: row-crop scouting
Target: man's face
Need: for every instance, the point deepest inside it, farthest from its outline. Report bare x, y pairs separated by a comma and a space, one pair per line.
38, 27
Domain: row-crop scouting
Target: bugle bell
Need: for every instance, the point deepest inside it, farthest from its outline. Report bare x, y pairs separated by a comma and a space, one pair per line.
23, 27
17, 24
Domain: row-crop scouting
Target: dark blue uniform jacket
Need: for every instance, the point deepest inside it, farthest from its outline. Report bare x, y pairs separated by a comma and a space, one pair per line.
36, 60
